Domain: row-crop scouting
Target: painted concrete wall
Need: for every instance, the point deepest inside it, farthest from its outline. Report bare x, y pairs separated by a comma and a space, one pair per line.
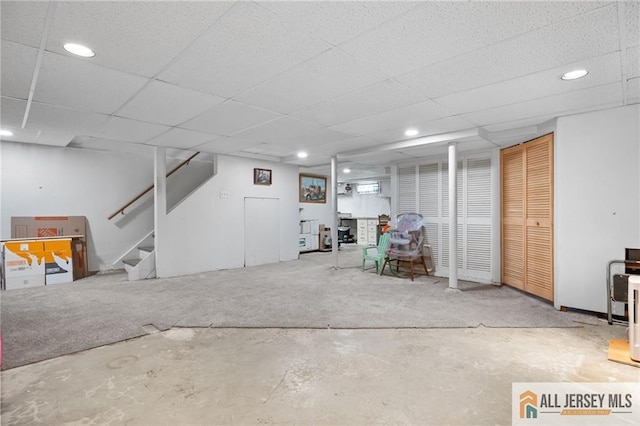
206, 231
39, 180
597, 202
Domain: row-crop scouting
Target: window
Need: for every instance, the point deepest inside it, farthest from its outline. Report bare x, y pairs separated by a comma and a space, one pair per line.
368, 188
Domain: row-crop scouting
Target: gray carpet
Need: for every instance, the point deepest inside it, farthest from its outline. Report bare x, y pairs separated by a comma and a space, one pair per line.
47, 322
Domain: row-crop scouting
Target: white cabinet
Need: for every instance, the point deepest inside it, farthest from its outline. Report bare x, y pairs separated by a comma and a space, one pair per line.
367, 231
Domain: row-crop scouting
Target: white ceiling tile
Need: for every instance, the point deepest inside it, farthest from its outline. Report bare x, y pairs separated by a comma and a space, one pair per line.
51, 118
337, 22
226, 145
349, 144
384, 157
55, 138
288, 131
245, 47
632, 24
374, 99
602, 70
19, 135
270, 149
181, 139
403, 117
633, 62
12, 112
168, 104
558, 105
78, 84
424, 36
18, 63
567, 42
633, 90
138, 37
425, 128
433, 149
23, 21
229, 117
90, 142
126, 130
331, 74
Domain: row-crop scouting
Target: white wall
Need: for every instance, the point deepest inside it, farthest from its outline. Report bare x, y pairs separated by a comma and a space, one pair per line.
369, 205
206, 232
597, 202
40, 180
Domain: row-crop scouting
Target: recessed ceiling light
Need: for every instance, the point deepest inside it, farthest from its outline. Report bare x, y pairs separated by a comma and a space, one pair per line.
5, 133
410, 132
573, 75
346, 170
302, 154
78, 49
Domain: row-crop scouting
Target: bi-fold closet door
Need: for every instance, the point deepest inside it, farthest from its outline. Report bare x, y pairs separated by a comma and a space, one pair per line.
527, 216
424, 188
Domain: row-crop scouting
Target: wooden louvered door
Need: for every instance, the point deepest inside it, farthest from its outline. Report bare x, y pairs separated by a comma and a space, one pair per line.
527, 216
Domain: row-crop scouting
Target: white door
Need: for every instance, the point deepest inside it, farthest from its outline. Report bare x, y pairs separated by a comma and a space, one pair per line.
261, 231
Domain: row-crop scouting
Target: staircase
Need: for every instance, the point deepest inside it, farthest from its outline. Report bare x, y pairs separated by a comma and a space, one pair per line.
143, 266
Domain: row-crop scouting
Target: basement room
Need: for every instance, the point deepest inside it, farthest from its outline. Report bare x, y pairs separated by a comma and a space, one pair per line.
319, 212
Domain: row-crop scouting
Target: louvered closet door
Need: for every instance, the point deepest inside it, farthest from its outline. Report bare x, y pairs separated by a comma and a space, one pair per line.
527, 216
512, 178
538, 156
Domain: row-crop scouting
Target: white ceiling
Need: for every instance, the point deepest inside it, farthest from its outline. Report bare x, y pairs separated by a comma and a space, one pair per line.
266, 79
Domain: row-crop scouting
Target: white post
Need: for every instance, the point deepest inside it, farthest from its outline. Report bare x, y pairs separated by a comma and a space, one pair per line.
453, 217
334, 211
159, 205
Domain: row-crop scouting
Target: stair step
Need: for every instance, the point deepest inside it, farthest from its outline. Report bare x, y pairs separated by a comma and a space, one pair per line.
146, 248
131, 262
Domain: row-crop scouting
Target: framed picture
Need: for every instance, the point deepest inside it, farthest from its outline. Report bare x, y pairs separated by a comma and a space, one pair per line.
261, 177
313, 189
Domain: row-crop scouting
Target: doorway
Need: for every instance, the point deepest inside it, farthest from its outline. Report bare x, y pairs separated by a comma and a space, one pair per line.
261, 231
527, 216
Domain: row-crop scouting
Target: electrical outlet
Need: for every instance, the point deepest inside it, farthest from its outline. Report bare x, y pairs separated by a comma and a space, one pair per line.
225, 194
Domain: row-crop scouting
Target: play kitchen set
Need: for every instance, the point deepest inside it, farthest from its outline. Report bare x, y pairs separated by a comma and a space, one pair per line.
44, 250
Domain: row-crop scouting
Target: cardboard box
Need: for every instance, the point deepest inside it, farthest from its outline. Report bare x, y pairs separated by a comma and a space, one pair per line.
57, 226
23, 264
58, 259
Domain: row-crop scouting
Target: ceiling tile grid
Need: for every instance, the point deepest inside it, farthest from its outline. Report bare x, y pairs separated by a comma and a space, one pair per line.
16, 71
328, 75
126, 130
133, 36
226, 145
585, 37
181, 139
557, 105
290, 132
245, 47
602, 70
77, 83
379, 97
230, 117
23, 21
164, 103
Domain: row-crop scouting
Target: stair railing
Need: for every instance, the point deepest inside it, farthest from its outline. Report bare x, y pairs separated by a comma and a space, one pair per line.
143, 193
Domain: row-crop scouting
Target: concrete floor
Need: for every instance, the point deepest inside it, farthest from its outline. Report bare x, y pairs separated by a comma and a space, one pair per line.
206, 376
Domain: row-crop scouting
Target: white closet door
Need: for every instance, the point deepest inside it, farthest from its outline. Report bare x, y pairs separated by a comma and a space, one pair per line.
261, 231
427, 187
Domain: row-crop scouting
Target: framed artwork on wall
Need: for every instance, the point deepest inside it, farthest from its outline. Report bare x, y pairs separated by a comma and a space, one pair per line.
261, 176
313, 189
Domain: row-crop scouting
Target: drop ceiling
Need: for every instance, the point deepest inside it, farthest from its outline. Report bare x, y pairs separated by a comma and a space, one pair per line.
267, 79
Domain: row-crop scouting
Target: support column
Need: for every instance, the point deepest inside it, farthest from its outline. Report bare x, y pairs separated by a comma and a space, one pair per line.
453, 217
159, 206
334, 212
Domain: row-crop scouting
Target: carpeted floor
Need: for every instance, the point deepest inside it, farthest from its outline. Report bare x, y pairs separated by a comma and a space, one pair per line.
46, 322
